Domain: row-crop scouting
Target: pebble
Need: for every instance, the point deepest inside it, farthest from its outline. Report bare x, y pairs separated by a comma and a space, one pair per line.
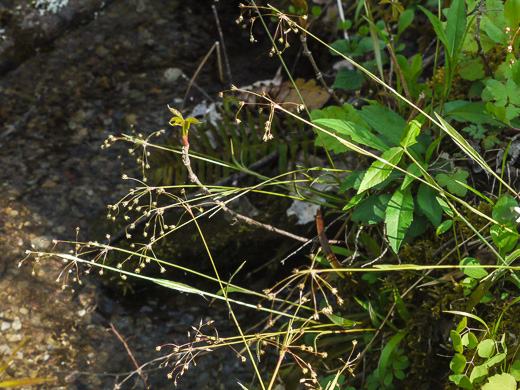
17, 324
172, 74
41, 243
13, 337
5, 325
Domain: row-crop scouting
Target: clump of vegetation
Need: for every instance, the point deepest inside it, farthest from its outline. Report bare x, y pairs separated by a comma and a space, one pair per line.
407, 236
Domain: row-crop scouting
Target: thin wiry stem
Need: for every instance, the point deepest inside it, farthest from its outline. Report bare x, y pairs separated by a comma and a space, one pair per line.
234, 214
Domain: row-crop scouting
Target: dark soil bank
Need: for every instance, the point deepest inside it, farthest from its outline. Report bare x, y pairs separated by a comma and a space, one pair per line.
72, 76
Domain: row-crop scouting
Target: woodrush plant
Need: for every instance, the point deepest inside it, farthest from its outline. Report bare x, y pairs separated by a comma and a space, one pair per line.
407, 182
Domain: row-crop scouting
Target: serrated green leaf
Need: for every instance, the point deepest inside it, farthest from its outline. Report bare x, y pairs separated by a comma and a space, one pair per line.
380, 170
385, 121
450, 181
358, 133
475, 112
349, 48
348, 79
399, 216
371, 210
472, 69
410, 134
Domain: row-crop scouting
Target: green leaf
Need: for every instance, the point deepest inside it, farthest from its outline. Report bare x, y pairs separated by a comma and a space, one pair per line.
230, 289
475, 273
399, 374
500, 382
349, 48
457, 341
384, 359
472, 69
437, 25
401, 308
385, 121
505, 240
469, 340
450, 181
444, 227
455, 27
333, 382
461, 381
399, 216
475, 112
348, 79
405, 19
357, 132
380, 170
427, 201
411, 132
478, 374
496, 34
515, 370
458, 363
354, 201
504, 211
512, 13
371, 210
445, 207
494, 360
414, 170
486, 348
462, 325
340, 320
